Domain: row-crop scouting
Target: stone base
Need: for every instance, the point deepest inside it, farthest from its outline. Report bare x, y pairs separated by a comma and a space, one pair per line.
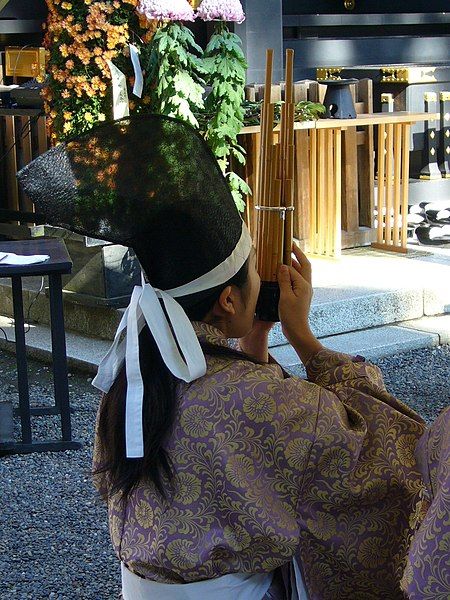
103, 274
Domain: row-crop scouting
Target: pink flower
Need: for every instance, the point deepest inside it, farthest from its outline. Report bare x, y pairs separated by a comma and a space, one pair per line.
167, 10
224, 10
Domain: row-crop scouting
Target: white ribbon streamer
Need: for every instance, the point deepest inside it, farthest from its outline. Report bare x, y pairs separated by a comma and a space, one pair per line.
145, 307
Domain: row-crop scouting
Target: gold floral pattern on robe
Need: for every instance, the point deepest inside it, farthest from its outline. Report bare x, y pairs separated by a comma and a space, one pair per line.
268, 467
427, 575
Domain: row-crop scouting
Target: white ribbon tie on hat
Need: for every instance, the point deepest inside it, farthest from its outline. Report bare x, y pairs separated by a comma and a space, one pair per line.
145, 308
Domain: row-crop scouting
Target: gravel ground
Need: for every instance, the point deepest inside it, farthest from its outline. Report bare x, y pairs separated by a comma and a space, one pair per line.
54, 539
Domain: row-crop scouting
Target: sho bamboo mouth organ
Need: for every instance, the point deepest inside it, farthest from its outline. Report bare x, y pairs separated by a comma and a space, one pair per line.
275, 190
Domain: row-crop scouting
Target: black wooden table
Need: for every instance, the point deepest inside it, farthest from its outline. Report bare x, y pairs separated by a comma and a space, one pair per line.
57, 265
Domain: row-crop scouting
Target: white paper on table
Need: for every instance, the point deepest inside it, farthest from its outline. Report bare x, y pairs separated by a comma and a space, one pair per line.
9, 258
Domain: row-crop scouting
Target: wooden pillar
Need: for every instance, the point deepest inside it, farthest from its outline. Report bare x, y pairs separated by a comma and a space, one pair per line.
325, 192
24, 156
444, 167
22, 138
387, 103
302, 185
350, 209
430, 170
313, 165
262, 29
12, 190
393, 186
251, 143
366, 160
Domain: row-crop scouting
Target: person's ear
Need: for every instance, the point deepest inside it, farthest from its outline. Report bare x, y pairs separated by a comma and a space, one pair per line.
225, 304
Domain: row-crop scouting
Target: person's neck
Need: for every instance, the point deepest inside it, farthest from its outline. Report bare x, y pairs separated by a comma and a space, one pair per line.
217, 323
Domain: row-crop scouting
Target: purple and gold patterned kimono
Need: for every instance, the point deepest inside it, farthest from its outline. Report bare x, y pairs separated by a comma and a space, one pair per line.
270, 467
427, 575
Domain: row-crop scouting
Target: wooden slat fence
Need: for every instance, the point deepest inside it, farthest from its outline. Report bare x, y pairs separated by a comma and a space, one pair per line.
22, 138
314, 149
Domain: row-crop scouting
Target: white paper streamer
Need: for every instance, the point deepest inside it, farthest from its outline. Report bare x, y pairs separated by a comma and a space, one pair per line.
138, 75
120, 95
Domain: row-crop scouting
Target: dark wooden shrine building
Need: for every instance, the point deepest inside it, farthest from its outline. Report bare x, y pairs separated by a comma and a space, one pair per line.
402, 46
344, 33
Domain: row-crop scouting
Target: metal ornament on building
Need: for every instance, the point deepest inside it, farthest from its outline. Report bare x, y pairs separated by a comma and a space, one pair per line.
327, 73
401, 74
25, 62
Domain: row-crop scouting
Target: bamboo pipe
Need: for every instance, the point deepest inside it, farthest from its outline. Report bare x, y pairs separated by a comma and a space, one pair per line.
288, 155
265, 160
276, 175
289, 97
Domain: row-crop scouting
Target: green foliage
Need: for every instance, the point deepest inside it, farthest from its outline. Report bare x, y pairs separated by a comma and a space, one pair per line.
239, 189
176, 73
309, 111
304, 111
223, 115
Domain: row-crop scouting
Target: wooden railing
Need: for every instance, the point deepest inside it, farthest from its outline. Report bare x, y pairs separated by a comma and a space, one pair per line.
321, 209
334, 173
314, 166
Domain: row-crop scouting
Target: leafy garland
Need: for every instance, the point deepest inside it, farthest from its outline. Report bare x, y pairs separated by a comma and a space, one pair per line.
304, 111
226, 66
83, 34
174, 64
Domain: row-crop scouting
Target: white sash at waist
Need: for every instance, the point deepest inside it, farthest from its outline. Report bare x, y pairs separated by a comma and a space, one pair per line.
236, 586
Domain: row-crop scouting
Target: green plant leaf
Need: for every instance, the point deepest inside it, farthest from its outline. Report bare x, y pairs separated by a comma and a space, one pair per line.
238, 200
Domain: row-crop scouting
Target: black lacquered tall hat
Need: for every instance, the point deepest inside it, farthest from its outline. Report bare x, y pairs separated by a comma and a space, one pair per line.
150, 183
147, 182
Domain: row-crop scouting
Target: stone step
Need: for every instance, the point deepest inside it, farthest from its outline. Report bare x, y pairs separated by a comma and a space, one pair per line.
85, 319
358, 312
376, 342
86, 353
333, 311
83, 353
365, 289
368, 288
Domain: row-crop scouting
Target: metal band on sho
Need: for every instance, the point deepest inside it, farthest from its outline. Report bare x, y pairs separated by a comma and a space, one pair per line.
282, 210
276, 208
171, 334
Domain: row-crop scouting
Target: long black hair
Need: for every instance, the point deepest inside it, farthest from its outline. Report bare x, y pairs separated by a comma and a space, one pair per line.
159, 405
